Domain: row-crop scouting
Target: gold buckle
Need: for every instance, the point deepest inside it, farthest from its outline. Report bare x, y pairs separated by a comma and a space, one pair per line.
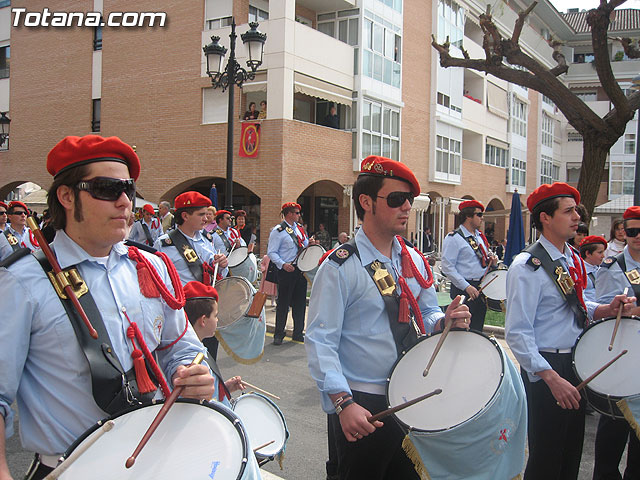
633, 276
383, 279
71, 278
564, 280
190, 255
12, 239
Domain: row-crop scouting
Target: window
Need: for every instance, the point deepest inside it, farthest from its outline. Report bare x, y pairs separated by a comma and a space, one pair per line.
518, 172
395, 4
95, 117
381, 52
547, 100
257, 15
496, 156
445, 101
450, 22
621, 177
5, 3
574, 137
550, 172
518, 117
547, 130
97, 38
587, 96
630, 143
215, 23
5, 55
380, 130
448, 155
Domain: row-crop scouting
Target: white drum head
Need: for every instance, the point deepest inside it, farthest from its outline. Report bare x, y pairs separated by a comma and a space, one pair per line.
592, 352
263, 421
191, 442
247, 269
238, 256
497, 289
468, 369
234, 299
309, 257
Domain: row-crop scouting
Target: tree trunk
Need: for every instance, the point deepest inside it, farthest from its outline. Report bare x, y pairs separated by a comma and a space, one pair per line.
594, 157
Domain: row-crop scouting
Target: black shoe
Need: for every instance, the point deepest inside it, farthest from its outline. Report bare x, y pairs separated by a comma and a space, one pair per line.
298, 338
277, 340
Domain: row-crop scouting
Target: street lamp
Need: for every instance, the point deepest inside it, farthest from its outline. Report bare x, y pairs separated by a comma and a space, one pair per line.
636, 184
233, 75
4, 127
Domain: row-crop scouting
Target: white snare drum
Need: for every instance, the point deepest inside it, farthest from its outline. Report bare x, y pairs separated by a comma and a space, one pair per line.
195, 440
235, 295
469, 370
263, 422
243, 264
497, 289
309, 257
591, 352
237, 256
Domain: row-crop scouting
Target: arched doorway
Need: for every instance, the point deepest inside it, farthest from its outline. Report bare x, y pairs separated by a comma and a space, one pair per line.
494, 221
325, 202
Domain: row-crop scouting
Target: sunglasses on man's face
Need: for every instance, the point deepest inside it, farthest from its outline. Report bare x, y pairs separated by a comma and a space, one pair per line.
107, 188
397, 199
19, 212
632, 232
479, 214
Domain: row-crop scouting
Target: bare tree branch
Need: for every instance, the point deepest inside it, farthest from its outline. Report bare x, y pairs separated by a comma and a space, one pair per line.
558, 56
517, 30
629, 48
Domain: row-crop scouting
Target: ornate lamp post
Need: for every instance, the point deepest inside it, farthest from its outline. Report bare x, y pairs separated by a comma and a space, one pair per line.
233, 75
4, 127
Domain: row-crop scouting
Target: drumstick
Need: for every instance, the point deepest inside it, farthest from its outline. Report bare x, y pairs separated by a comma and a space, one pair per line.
260, 390
441, 340
83, 447
262, 446
618, 317
486, 284
160, 416
60, 277
583, 384
215, 271
389, 411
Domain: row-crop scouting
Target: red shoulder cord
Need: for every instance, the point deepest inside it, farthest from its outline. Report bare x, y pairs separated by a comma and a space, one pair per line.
484, 249
579, 276
407, 299
33, 239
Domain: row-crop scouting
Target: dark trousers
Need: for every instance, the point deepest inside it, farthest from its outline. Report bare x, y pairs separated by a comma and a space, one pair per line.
37, 471
477, 307
292, 291
379, 455
611, 439
555, 434
332, 462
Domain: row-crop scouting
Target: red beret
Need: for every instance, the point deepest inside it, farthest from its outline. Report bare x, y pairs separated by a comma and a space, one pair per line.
222, 213
385, 167
199, 290
471, 204
291, 205
17, 204
191, 199
75, 151
148, 208
555, 190
592, 240
241, 213
2, 204
632, 213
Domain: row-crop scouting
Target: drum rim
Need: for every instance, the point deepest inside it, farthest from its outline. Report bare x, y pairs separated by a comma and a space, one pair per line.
302, 252
234, 419
489, 402
277, 409
497, 274
234, 278
238, 249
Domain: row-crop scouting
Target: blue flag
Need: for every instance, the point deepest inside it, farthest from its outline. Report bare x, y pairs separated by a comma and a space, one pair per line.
515, 234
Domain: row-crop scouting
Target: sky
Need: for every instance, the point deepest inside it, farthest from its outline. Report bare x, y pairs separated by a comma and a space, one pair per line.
563, 5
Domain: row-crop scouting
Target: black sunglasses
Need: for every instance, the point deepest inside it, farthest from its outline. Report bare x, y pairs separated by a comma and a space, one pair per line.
479, 214
397, 199
4, 212
109, 189
18, 212
632, 232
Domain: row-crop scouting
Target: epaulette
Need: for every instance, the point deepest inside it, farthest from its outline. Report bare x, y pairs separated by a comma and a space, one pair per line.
607, 262
166, 242
280, 228
208, 236
14, 257
342, 253
140, 246
219, 231
451, 234
534, 262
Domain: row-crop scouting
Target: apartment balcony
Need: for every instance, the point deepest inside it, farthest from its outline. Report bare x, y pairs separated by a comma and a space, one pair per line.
585, 73
320, 6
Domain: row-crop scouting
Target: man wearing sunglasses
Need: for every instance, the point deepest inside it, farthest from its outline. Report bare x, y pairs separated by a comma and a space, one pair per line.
5, 247
45, 361
357, 327
616, 274
17, 233
3, 216
226, 237
147, 229
465, 258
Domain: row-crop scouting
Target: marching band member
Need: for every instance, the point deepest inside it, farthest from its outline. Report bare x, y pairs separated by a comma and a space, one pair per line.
465, 259
592, 249
17, 233
355, 335
546, 313
147, 229
50, 374
3, 216
225, 238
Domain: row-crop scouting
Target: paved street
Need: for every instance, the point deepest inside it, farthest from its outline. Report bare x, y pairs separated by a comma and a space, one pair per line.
283, 371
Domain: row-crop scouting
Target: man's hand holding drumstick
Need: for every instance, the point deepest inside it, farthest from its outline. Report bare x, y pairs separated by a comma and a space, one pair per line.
354, 420
458, 313
196, 379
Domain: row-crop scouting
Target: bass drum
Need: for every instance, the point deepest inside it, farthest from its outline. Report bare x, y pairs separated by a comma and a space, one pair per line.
621, 379
181, 447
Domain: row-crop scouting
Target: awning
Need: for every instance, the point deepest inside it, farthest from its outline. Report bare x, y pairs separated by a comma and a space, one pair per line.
259, 84
319, 89
497, 100
616, 206
421, 202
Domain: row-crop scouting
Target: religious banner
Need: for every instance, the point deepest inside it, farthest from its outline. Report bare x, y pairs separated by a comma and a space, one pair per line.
249, 139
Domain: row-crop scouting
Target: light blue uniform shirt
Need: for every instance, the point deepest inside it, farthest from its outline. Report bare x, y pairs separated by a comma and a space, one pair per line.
590, 292
218, 243
459, 261
137, 232
538, 316
348, 339
281, 248
5, 248
201, 246
41, 362
612, 281
24, 237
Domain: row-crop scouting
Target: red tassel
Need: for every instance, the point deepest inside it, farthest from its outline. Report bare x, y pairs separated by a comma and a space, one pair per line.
145, 385
403, 312
147, 285
407, 271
